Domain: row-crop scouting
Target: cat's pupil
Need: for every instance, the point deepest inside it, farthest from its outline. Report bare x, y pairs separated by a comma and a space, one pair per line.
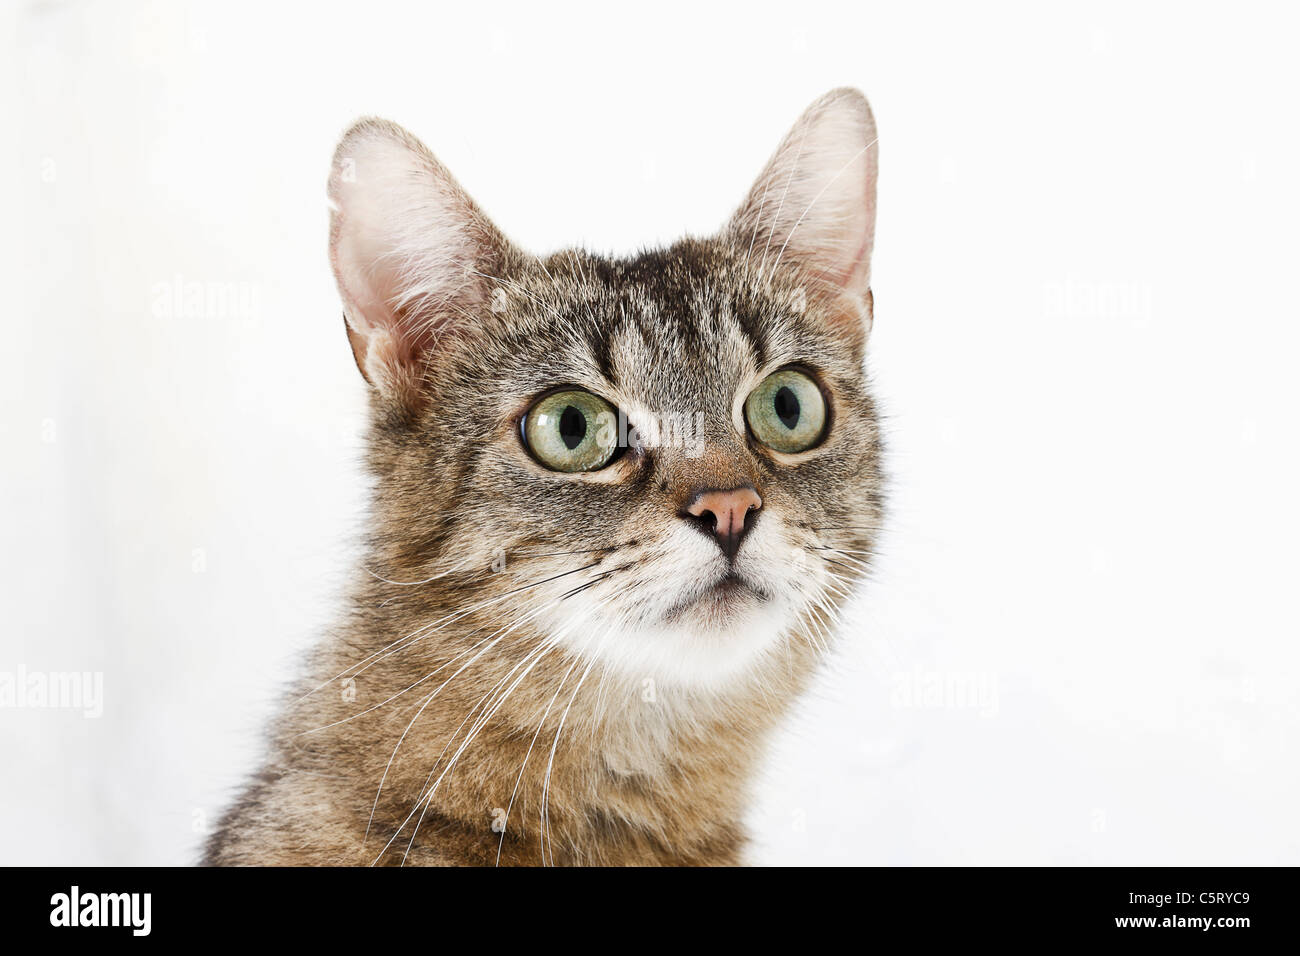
786, 404
573, 427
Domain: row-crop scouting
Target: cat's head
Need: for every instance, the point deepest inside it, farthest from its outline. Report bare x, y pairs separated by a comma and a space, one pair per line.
667, 464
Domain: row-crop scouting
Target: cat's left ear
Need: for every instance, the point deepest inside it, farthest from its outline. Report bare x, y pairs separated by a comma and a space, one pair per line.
412, 253
814, 205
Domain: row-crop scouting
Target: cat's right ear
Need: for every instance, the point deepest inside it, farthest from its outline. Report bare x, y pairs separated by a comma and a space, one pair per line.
814, 205
412, 253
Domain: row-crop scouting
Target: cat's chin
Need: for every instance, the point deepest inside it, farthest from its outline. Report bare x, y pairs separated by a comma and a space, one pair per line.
716, 642
709, 642
717, 607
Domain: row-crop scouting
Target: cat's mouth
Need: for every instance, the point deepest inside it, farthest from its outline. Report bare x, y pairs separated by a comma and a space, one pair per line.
729, 594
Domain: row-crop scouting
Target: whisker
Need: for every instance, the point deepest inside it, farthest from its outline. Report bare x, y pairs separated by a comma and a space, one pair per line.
408, 584
426, 677
426, 703
424, 800
437, 625
532, 743
546, 785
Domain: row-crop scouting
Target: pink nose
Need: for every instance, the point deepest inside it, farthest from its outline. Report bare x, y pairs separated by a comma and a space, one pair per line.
725, 515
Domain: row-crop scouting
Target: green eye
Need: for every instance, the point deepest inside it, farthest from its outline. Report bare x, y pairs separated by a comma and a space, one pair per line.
787, 411
572, 430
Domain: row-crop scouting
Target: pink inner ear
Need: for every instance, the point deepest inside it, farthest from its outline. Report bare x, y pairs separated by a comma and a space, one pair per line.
373, 287
814, 203
851, 269
384, 349
833, 236
366, 287
406, 244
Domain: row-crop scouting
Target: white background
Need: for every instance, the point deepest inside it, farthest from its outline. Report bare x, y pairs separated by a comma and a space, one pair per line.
1081, 644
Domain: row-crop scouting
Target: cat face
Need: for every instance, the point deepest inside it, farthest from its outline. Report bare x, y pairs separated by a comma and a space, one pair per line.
667, 465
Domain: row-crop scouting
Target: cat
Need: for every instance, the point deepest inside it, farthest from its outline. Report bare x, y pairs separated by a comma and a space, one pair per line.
619, 504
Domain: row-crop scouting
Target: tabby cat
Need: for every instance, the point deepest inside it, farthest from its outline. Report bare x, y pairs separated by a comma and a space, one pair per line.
619, 504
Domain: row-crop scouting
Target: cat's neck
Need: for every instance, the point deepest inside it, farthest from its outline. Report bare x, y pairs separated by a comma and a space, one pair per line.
488, 746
